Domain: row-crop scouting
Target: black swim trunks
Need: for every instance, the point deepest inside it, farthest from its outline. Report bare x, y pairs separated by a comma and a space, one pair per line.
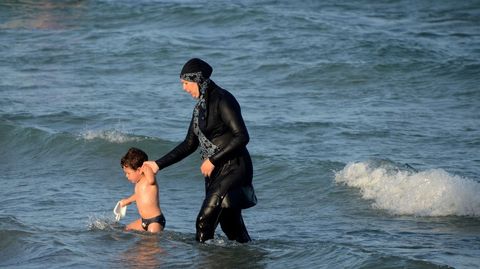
158, 219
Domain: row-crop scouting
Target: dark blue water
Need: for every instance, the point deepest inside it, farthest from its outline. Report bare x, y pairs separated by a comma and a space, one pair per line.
364, 120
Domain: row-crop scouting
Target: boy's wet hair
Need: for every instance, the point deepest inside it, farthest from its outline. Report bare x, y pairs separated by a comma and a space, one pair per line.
134, 158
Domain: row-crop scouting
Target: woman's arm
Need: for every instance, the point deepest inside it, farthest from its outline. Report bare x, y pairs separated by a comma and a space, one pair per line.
187, 147
231, 115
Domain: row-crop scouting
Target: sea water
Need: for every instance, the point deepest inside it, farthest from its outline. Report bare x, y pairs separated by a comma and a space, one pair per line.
364, 119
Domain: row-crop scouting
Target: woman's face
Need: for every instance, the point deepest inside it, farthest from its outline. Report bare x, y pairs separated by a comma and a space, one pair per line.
191, 88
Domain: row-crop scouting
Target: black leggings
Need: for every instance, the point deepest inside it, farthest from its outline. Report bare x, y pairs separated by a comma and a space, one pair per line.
230, 220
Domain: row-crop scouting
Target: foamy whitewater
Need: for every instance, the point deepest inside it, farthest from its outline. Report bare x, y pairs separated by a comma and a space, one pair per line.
363, 119
433, 192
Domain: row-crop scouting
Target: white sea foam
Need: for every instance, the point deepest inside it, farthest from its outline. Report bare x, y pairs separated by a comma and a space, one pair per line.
427, 193
113, 136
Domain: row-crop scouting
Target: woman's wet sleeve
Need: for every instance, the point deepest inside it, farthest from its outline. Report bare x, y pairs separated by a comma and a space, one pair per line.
187, 147
231, 115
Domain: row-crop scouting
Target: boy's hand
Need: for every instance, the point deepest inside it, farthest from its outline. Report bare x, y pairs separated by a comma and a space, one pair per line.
207, 168
124, 202
153, 165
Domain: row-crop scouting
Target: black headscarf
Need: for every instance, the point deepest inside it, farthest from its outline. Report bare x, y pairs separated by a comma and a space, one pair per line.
196, 67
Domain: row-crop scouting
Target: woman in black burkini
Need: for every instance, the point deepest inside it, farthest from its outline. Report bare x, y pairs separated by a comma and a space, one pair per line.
218, 128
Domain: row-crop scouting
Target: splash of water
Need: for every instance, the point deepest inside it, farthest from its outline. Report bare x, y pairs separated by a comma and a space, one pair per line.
399, 191
103, 222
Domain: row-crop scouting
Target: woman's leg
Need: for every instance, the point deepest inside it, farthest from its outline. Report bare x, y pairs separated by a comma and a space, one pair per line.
233, 226
207, 219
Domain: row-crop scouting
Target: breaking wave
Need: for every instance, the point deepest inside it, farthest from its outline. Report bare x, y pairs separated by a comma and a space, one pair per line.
405, 191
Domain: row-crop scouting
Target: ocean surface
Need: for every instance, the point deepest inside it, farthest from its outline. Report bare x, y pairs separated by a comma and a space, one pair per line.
364, 119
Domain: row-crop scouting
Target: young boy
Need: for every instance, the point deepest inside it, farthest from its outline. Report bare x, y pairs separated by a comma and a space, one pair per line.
146, 192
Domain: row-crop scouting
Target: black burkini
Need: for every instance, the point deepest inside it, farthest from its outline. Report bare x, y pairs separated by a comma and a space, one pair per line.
229, 188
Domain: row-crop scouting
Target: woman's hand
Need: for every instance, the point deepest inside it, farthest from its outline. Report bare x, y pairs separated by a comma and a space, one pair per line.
207, 168
153, 165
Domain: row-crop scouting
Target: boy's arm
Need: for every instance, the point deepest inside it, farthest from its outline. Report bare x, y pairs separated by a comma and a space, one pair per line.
148, 173
128, 200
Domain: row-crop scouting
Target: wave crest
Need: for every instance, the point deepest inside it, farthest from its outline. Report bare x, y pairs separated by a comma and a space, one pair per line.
407, 192
113, 136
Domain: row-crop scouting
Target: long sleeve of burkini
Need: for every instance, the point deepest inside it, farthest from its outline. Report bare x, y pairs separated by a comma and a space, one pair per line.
185, 148
231, 116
